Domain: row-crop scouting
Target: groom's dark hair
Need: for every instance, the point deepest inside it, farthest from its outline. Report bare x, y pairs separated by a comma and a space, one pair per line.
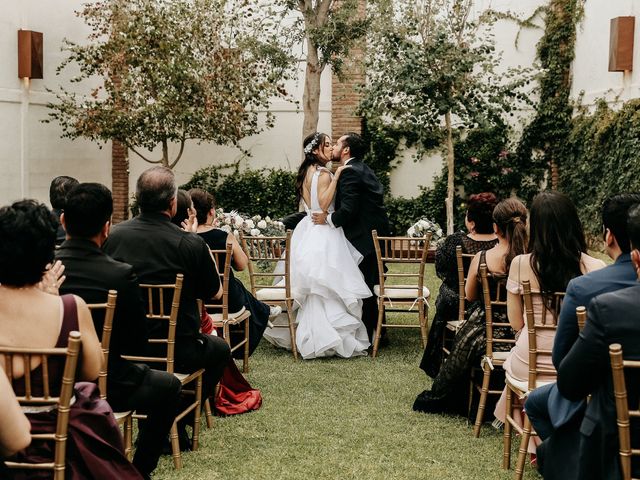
356, 145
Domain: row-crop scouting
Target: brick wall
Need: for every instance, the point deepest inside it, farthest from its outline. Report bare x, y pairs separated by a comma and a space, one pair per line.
120, 182
344, 96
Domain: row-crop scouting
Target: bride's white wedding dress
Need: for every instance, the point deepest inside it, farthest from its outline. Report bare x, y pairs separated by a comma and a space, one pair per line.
328, 288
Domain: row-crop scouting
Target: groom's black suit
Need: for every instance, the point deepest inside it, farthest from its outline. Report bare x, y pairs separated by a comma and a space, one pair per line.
359, 209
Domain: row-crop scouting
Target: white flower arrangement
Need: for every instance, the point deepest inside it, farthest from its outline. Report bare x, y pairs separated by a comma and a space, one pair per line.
234, 222
425, 226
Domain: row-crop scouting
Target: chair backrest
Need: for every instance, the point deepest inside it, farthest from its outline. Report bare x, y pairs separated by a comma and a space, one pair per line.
30, 398
463, 260
223, 305
581, 315
624, 414
401, 251
108, 309
493, 303
156, 310
267, 253
534, 326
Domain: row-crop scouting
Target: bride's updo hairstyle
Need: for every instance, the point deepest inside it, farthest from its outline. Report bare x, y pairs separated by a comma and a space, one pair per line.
311, 143
510, 216
27, 242
203, 202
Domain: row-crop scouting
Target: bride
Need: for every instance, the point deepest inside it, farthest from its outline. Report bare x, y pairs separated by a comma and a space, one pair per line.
325, 280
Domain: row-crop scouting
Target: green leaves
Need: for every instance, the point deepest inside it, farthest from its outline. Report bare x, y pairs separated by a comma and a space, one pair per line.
175, 70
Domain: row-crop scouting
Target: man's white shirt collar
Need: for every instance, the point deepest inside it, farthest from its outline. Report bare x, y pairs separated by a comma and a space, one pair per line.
348, 160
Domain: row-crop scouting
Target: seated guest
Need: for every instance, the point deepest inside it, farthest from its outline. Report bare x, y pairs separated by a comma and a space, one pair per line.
546, 408
58, 190
612, 317
90, 274
239, 296
479, 236
158, 250
15, 432
185, 216
557, 254
32, 318
451, 386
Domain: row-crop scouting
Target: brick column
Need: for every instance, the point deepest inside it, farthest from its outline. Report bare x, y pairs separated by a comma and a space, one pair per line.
344, 97
120, 181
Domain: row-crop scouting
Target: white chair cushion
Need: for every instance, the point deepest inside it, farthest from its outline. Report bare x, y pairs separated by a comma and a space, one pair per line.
524, 386
402, 291
217, 317
271, 294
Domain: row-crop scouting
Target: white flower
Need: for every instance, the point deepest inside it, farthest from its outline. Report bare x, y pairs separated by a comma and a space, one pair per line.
255, 232
411, 232
238, 221
267, 219
256, 218
226, 228
249, 224
262, 224
236, 233
439, 232
423, 223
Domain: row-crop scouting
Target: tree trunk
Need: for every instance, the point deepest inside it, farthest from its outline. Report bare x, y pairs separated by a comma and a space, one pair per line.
311, 97
450, 174
120, 181
554, 174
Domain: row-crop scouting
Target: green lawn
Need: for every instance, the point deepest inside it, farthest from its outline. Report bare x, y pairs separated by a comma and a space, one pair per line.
342, 418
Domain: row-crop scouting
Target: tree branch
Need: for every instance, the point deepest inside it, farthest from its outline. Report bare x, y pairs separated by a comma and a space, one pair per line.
140, 155
182, 142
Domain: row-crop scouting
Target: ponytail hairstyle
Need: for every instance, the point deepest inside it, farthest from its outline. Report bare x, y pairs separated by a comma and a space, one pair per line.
182, 209
310, 143
556, 242
203, 202
510, 216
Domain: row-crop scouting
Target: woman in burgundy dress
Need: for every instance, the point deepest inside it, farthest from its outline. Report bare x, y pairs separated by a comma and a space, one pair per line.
31, 317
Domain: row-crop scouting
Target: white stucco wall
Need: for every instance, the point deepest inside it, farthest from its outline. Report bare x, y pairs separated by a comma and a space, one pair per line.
32, 153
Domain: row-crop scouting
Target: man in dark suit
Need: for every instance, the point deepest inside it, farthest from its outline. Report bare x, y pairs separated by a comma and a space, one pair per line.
158, 250
359, 210
90, 273
586, 370
546, 408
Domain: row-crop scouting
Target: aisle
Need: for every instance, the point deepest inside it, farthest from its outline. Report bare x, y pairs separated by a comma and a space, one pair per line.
341, 419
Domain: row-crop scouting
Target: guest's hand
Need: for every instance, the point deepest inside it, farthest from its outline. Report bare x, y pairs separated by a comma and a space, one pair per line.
319, 218
52, 279
191, 223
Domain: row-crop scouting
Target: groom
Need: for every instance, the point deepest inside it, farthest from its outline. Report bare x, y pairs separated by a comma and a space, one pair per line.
359, 209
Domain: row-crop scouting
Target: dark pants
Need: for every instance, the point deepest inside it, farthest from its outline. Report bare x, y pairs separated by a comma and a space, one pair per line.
369, 269
157, 396
204, 351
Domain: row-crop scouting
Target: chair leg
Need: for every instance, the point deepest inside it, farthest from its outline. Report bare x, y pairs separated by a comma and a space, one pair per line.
196, 412
486, 378
128, 437
524, 445
506, 443
208, 416
226, 334
378, 333
175, 447
245, 360
292, 330
424, 315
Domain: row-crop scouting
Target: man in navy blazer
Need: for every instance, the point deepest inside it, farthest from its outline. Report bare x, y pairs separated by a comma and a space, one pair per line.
547, 409
586, 370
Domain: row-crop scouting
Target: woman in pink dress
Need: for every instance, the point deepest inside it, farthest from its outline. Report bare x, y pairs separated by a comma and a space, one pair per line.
557, 253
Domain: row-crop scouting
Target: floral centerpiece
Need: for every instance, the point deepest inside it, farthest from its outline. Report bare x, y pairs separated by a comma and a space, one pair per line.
423, 227
256, 226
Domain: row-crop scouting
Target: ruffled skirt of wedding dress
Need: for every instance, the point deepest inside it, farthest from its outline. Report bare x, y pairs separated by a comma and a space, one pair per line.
328, 287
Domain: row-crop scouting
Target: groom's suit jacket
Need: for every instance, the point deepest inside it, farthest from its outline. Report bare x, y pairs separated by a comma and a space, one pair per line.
359, 206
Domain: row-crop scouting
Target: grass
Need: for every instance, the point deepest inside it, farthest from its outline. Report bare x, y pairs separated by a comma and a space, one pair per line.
343, 418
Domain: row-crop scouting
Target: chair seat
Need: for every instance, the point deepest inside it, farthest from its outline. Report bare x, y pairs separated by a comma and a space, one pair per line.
498, 359
188, 377
524, 386
402, 292
121, 416
454, 325
231, 317
271, 294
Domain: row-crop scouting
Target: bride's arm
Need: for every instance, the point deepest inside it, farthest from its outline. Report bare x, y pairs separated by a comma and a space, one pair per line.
327, 187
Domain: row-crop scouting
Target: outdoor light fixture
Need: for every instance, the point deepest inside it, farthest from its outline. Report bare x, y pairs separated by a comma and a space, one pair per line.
29, 54
621, 44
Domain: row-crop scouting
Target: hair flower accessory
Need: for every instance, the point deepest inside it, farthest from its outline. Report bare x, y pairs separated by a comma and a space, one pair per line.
313, 144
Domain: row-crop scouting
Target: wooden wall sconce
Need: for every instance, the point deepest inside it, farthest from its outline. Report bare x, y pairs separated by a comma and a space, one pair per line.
29, 54
621, 44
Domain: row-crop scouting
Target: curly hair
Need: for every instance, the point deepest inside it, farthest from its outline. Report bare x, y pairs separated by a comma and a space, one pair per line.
480, 210
27, 242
